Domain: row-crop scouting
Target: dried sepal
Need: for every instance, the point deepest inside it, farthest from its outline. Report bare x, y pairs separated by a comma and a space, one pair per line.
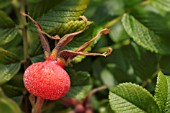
85, 45
44, 41
68, 37
69, 55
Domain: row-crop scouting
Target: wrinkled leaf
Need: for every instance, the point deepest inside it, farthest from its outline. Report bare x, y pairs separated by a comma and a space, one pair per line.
131, 98
162, 92
43, 7
160, 26
7, 57
7, 105
80, 85
63, 17
8, 71
144, 36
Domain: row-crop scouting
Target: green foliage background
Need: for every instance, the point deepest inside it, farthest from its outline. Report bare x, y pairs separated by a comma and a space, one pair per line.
136, 73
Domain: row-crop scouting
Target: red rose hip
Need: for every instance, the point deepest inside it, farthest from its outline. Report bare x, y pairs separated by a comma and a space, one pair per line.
47, 80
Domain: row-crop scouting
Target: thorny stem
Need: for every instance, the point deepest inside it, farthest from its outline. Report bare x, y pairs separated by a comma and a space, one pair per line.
38, 105
24, 33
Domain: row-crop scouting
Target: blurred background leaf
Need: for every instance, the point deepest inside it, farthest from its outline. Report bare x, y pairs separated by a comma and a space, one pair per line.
7, 105
162, 5
4, 3
81, 87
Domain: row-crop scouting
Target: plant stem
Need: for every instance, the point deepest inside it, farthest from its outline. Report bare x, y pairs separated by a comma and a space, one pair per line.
38, 105
24, 33
92, 92
145, 2
112, 22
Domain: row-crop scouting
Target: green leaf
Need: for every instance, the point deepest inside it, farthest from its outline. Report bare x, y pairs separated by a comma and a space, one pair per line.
12, 91
80, 85
35, 45
7, 57
14, 87
81, 39
164, 64
38, 58
162, 92
144, 36
107, 10
7, 105
163, 5
5, 21
8, 71
63, 18
17, 81
4, 3
117, 33
7, 35
7, 29
132, 61
146, 16
43, 6
141, 66
131, 98
108, 78
131, 3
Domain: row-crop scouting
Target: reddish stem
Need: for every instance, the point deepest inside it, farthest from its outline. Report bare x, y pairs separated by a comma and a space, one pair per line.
38, 105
